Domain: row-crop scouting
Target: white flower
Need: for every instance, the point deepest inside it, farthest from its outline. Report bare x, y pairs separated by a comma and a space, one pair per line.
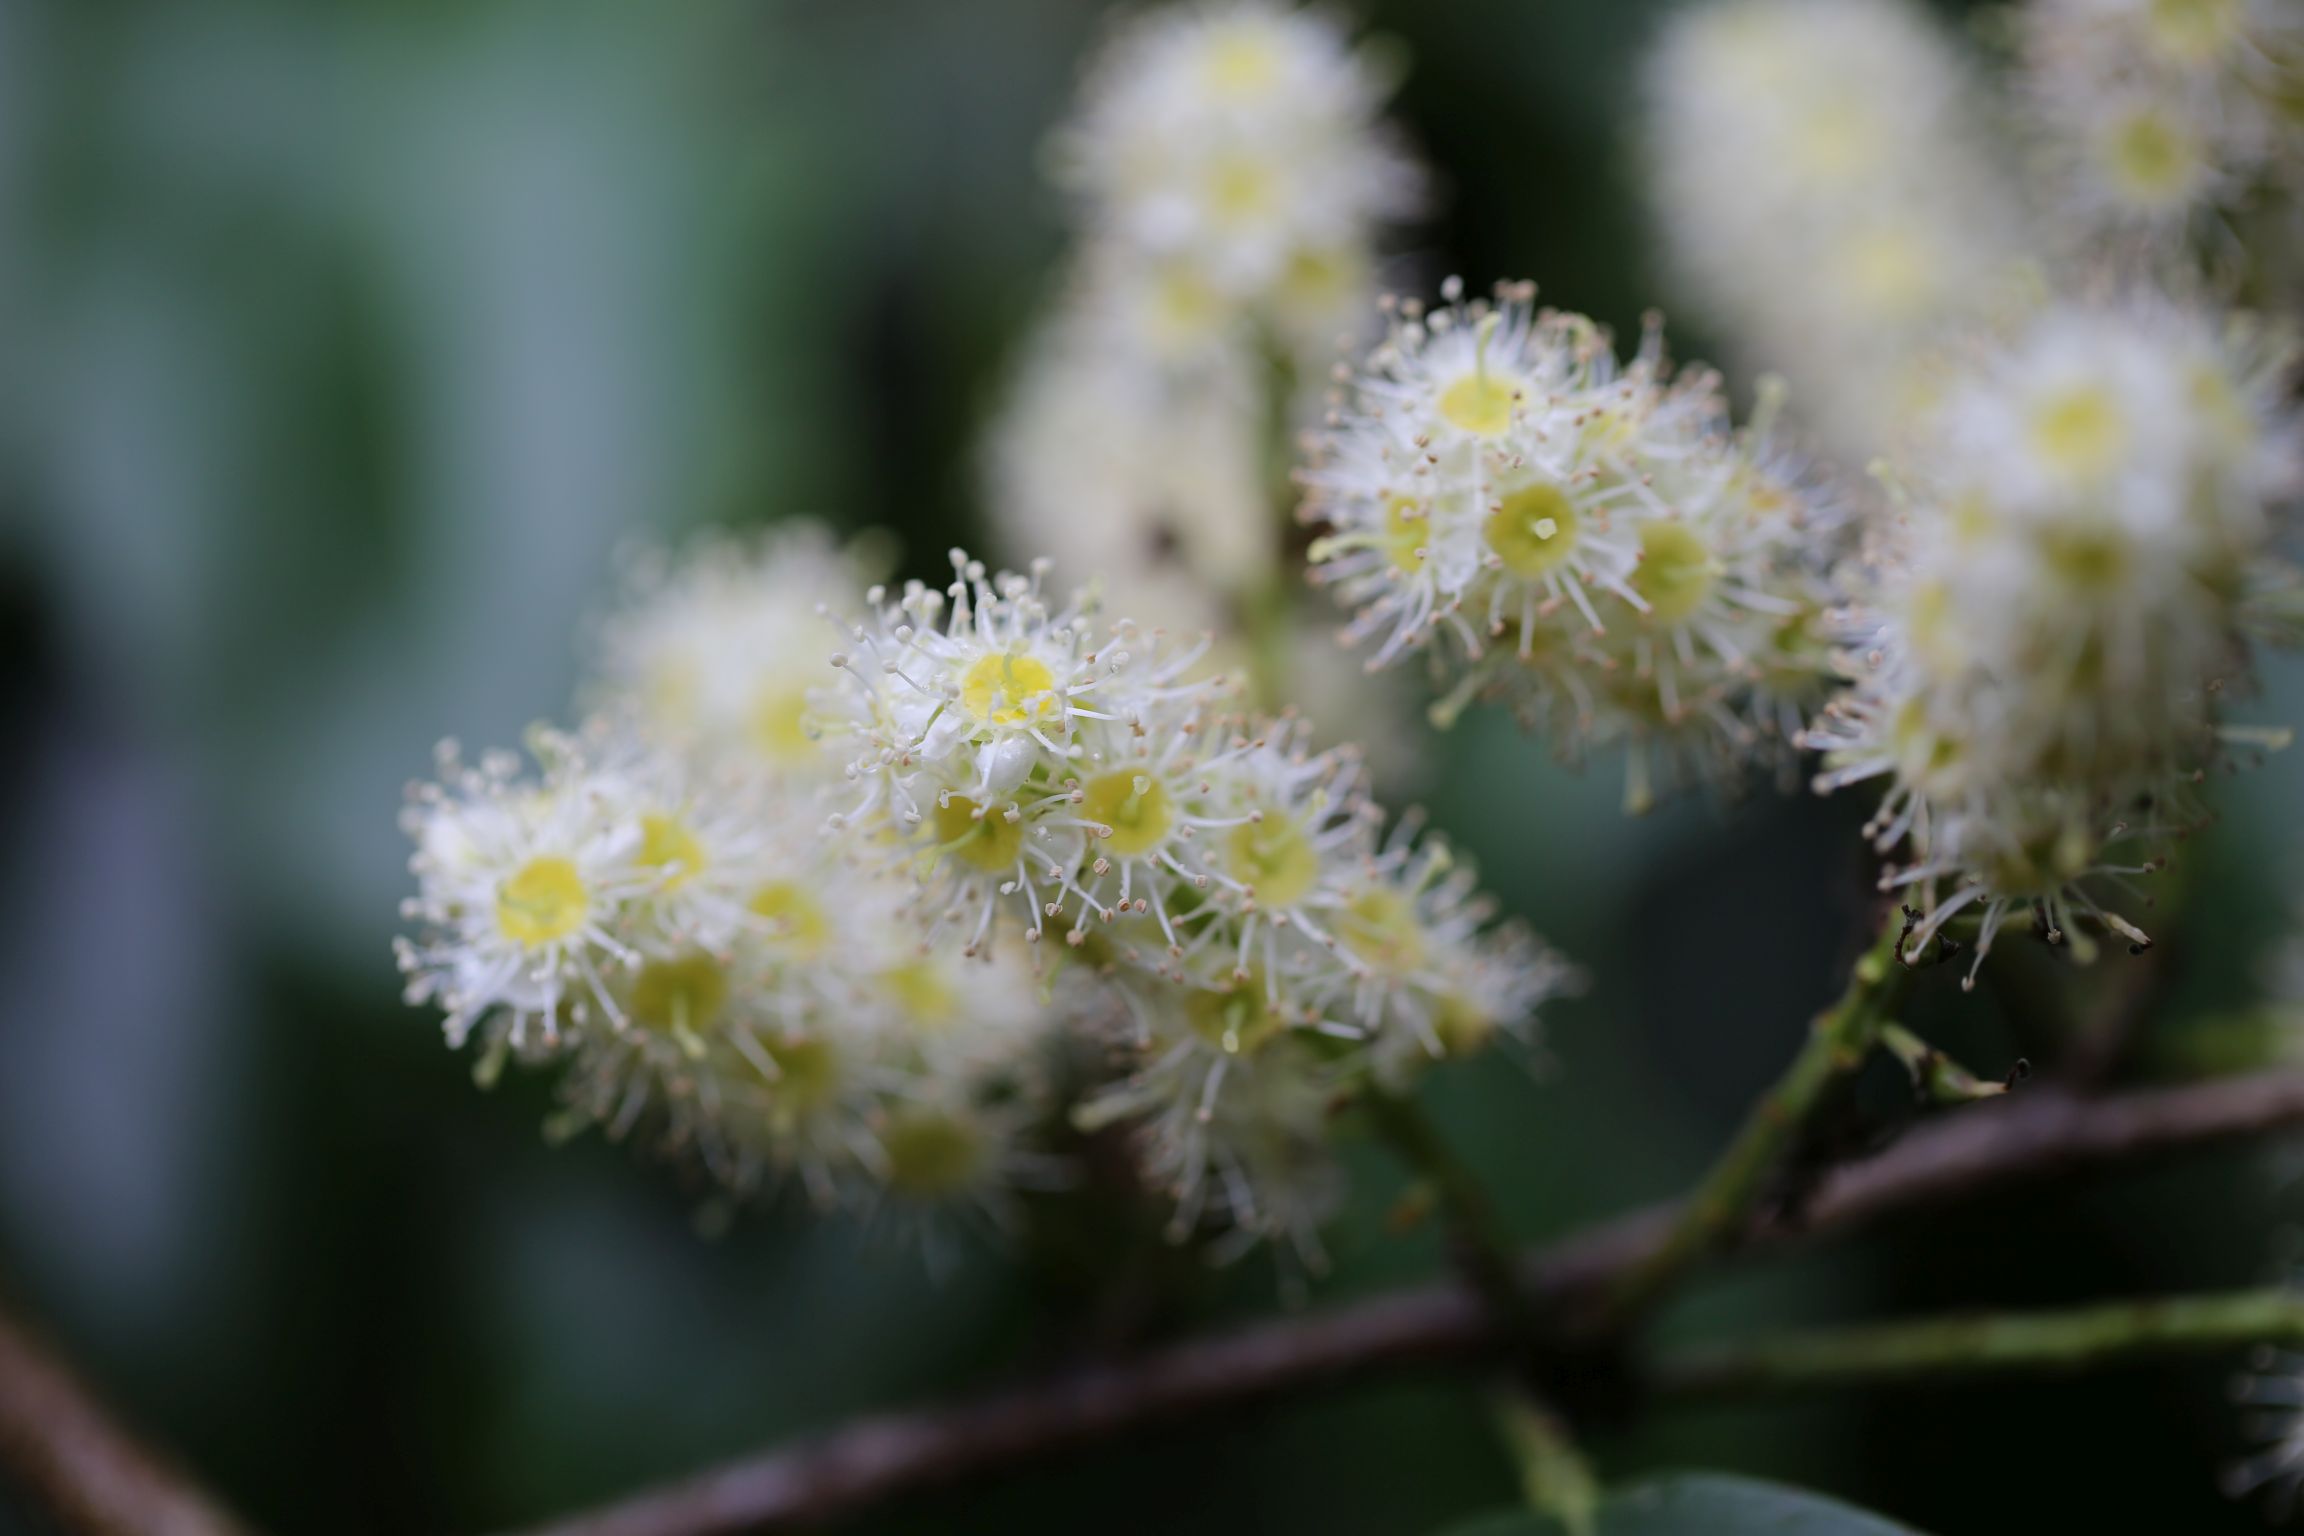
2153, 114
968, 726
1147, 481
2052, 616
1588, 540
1230, 157
815, 1040
836, 984
1823, 193
1324, 957
718, 651
1231, 1114
1428, 973
709, 837
1218, 874
523, 890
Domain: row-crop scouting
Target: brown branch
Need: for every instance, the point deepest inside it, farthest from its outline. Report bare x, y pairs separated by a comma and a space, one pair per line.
58, 1443
2037, 1134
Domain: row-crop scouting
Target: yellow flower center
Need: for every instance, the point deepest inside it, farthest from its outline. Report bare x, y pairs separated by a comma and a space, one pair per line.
1480, 402
807, 1073
1275, 859
1008, 688
1134, 806
2152, 157
1241, 188
990, 841
1381, 928
2076, 431
542, 902
1243, 60
1838, 140
1890, 269
796, 917
1406, 526
682, 995
1184, 306
932, 1154
1462, 1026
2195, 29
1676, 572
666, 844
2041, 863
780, 723
1237, 1022
1320, 280
921, 991
1533, 529
2090, 559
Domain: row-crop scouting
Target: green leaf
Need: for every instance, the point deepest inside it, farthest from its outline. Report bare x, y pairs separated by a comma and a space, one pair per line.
1702, 1504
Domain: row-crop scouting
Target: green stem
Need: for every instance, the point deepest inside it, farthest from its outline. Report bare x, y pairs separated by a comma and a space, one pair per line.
1482, 1250
1937, 1077
1555, 1478
1269, 617
1837, 1043
1554, 1475
1985, 1343
1268, 612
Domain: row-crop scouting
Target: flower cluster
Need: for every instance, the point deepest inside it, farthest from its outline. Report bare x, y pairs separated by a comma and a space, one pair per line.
1231, 168
2058, 605
694, 959
2153, 114
655, 912
1231, 177
1589, 539
840, 965
715, 654
1229, 890
1822, 192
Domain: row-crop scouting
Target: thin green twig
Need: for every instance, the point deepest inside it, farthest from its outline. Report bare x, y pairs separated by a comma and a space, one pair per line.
1483, 1251
1983, 1343
1554, 1475
1837, 1043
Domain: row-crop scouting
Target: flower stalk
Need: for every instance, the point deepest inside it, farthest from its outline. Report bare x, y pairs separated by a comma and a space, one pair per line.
1555, 1477
1722, 1204
1479, 1246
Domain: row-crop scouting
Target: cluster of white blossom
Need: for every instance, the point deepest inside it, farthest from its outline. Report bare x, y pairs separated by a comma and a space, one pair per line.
656, 912
2057, 605
1230, 176
715, 653
1151, 479
1086, 785
1591, 540
840, 963
1825, 194
1232, 173
2157, 116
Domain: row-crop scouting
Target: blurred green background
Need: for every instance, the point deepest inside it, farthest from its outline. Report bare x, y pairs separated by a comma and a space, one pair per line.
342, 345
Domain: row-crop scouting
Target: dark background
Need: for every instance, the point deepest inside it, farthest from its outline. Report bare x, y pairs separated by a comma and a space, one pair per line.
341, 345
